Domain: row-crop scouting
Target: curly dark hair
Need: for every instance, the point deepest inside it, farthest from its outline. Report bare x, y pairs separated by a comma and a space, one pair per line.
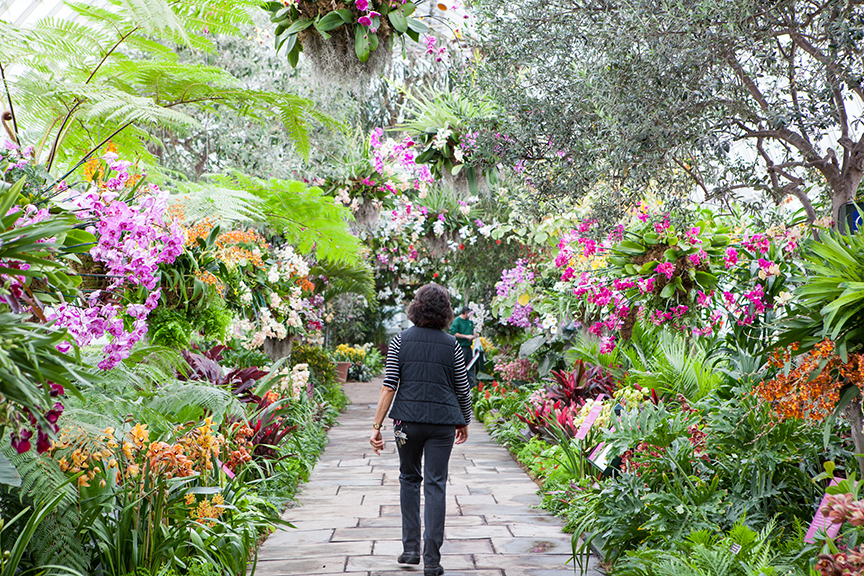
431, 307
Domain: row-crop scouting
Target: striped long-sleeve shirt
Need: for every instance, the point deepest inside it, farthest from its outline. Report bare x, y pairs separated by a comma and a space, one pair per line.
391, 374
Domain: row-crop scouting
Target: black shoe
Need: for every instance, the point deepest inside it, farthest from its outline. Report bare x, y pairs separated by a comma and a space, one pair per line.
409, 558
433, 571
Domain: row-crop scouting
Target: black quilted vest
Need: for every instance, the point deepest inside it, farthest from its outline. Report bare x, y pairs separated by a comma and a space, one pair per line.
427, 381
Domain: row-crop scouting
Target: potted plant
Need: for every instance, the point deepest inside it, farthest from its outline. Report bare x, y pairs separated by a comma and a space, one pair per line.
342, 38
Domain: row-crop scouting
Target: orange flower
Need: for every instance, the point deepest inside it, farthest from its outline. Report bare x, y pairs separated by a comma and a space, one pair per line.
140, 435
807, 391
210, 279
198, 230
305, 284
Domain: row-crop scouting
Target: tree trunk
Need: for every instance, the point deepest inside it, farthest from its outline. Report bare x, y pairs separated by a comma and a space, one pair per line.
856, 420
841, 197
853, 171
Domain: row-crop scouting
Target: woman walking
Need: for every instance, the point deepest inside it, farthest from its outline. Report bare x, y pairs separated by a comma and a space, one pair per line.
426, 392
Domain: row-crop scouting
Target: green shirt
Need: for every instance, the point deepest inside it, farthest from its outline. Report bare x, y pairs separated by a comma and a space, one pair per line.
462, 326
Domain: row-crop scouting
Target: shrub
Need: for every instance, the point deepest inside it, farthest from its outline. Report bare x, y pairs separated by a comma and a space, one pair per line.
319, 363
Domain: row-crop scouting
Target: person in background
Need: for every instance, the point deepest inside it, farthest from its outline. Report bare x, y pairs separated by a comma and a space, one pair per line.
427, 395
463, 329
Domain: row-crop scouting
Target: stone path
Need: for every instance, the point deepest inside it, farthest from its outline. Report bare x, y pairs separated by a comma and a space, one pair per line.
348, 518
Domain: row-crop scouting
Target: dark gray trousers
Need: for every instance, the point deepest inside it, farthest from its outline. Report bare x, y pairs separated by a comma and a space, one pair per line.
433, 443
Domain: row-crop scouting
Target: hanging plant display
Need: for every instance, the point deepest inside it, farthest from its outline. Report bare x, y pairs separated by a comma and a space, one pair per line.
363, 25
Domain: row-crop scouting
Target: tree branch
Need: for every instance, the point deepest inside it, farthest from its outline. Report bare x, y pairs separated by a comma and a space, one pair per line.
829, 64
794, 185
748, 82
693, 174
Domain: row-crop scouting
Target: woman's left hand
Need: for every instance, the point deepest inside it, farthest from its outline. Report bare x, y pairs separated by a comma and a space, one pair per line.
377, 441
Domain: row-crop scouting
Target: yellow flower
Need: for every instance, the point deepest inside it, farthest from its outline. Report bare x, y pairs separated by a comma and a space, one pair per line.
190, 499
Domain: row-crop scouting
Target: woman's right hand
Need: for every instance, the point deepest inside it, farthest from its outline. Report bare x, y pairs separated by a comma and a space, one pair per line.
377, 442
461, 434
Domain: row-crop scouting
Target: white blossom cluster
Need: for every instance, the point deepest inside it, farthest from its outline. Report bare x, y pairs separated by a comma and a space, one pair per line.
480, 316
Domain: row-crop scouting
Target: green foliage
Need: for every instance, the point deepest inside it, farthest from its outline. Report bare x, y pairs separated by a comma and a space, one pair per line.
305, 217
240, 357
648, 103
56, 540
319, 363
169, 327
175, 327
677, 367
346, 278
831, 300
440, 122
14, 551
122, 74
311, 18
739, 552
765, 465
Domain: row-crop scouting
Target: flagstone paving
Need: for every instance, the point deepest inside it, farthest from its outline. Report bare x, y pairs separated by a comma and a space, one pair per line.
348, 521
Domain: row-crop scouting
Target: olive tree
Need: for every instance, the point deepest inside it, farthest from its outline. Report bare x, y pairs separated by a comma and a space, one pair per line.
732, 94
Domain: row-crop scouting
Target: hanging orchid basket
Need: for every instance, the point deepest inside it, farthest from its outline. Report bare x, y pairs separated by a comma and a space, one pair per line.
352, 30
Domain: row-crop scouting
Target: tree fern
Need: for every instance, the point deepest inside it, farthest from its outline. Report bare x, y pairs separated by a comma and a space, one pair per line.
306, 217
104, 88
347, 279
181, 399
203, 200
56, 540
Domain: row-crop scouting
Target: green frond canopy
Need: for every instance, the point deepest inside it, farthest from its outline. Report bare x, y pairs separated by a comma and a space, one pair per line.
429, 111
114, 74
203, 200
304, 216
345, 278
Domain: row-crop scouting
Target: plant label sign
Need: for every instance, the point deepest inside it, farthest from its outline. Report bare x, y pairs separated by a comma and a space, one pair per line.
589, 421
822, 523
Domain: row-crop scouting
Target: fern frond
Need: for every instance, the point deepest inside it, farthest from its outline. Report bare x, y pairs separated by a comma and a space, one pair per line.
154, 16
203, 200
306, 217
347, 279
56, 540
176, 399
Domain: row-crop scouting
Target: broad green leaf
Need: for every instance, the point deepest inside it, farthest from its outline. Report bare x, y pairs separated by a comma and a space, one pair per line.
399, 21
417, 26
300, 25
8, 473
362, 46
331, 21
706, 279
648, 267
